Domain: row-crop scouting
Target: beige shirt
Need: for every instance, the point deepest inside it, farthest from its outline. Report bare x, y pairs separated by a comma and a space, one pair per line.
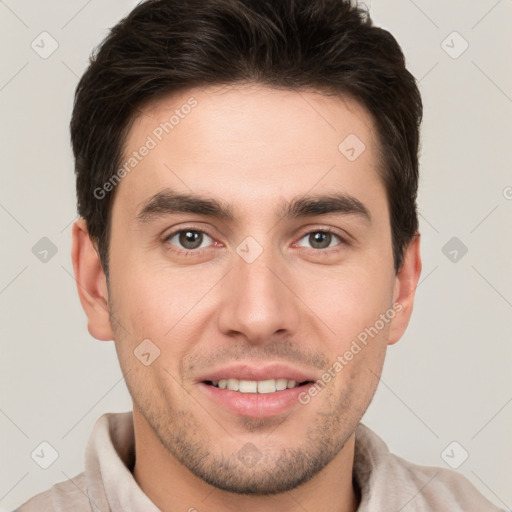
387, 482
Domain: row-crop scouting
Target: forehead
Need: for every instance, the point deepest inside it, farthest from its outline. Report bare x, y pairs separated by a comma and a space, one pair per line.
248, 143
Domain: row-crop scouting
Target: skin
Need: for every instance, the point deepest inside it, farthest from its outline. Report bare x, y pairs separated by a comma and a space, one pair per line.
253, 148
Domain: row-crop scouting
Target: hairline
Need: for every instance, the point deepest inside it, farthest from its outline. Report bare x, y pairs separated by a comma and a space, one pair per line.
138, 111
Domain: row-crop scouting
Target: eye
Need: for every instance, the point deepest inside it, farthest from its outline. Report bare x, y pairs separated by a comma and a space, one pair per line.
321, 239
189, 239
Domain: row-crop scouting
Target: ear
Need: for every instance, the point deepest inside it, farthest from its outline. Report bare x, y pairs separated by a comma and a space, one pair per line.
404, 291
91, 282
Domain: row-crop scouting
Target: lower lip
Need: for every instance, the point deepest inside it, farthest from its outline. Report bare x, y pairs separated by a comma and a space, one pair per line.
255, 405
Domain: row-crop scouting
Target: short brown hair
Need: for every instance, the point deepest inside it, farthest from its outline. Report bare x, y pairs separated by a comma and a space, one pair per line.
165, 46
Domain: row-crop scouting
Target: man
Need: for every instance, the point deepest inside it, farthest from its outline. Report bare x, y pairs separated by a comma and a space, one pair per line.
246, 177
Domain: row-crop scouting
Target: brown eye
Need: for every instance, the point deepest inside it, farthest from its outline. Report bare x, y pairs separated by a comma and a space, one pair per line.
320, 239
189, 239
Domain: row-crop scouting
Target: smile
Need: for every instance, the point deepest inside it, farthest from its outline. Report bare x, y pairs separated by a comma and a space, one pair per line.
256, 386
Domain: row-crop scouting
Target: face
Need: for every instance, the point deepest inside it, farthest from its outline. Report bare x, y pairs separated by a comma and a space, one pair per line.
248, 245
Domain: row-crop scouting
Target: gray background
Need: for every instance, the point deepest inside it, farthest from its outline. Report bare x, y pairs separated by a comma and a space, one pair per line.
449, 377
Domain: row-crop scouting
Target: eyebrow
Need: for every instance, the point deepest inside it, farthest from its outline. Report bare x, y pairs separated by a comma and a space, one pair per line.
167, 202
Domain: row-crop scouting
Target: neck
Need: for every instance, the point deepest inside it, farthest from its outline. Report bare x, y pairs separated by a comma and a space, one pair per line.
171, 486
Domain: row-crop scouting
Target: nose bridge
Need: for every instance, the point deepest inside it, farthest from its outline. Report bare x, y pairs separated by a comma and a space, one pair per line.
256, 302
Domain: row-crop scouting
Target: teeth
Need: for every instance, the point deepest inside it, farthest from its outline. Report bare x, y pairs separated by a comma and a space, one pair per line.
247, 386
233, 384
255, 386
267, 386
281, 384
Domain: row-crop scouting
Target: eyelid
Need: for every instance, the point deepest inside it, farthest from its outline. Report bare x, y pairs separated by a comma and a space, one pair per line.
168, 235
344, 237
343, 242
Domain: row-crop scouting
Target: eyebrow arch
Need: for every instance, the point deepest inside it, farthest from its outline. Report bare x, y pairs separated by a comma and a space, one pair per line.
167, 202
305, 206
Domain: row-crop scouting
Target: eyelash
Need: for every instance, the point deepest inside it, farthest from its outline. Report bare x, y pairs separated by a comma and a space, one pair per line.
196, 252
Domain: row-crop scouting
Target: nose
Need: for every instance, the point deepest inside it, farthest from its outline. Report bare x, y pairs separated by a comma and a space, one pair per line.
258, 300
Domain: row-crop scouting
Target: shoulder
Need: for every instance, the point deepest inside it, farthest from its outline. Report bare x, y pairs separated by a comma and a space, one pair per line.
442, 490
61, 497
386, 479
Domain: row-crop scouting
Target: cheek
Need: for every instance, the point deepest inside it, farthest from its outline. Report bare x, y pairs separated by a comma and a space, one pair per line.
359, 365
148, 345
349, 301
172, 308
153, 300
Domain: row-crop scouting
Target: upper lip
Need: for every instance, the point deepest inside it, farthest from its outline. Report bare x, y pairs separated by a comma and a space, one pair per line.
252, 371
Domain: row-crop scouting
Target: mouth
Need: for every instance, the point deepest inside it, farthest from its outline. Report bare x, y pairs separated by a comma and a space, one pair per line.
255, 398
253, 390
266, 386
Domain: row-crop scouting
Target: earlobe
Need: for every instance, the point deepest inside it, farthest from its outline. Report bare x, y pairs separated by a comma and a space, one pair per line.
91, 282
404, 291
